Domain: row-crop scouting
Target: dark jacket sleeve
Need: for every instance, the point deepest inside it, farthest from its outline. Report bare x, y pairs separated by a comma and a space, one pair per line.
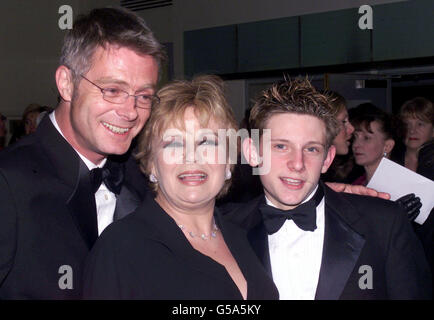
425, 161
8, 232
101, 275
407, 271
121, 264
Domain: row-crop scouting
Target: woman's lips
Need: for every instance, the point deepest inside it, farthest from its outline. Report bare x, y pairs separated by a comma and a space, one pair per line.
192, 178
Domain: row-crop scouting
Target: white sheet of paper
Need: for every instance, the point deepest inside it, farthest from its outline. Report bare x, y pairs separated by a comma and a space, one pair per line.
397, 180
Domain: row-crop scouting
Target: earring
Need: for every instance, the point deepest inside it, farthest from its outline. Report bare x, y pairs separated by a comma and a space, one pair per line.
385, 154
228, 175
153, 178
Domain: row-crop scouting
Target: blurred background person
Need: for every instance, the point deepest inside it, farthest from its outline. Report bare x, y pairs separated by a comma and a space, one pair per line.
417, 116
30, 120
33, 115
342, 168
30, 115
346, 129
374, 138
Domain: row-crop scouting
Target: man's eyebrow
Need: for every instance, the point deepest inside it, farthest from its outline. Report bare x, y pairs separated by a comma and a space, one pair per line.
124, 83
315, 142
279, 140
307, 143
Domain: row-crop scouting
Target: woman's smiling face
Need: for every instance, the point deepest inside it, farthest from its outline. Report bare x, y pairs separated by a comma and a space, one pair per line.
186, 164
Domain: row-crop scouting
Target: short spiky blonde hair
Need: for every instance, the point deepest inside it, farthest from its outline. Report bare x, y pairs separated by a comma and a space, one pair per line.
294, 96
206, 95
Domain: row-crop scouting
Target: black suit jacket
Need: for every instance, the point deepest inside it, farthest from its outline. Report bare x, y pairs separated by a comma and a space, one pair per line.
359, 231
146, 256
44, 213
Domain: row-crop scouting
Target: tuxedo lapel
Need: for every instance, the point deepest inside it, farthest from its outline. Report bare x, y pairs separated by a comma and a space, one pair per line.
258, 239
83, 207
257, 235
126, 202
66, 165
64, 161
249, 218
342, 247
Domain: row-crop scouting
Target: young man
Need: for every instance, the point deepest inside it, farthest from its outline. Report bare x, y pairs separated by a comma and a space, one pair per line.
316, 243
54, 205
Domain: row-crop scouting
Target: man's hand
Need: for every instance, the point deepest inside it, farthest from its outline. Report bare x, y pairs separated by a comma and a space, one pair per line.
361, 190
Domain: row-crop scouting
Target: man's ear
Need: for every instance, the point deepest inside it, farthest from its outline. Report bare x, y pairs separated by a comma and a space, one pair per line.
250, 152
64, 83
328, 159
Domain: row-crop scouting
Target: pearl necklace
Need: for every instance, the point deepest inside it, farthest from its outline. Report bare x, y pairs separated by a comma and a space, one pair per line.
203, 236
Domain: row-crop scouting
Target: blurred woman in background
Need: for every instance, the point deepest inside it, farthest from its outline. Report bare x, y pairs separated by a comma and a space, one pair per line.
374, 138
418, 117
343, 164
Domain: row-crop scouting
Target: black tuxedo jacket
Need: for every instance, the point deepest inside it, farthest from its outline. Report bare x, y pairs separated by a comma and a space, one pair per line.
359, 231
45, 210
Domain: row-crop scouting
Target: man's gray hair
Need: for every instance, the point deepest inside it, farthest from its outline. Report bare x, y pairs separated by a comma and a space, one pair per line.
102, 27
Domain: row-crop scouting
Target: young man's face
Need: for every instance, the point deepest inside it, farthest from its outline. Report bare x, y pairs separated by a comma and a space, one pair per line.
96, 127
298, 157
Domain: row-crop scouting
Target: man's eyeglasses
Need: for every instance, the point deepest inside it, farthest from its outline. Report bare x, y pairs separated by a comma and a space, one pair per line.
118, 96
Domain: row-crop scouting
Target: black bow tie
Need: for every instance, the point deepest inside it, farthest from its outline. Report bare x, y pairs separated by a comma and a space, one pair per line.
304, 215
112, 174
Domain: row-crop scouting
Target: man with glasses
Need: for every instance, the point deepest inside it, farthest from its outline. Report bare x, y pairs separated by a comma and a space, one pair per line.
61, 186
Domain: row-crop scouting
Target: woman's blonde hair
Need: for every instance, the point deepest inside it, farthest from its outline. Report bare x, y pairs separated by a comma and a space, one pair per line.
203, 93
337, 101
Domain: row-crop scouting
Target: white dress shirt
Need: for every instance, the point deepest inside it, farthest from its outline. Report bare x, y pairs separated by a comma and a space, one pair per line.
105, 199
296, 256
